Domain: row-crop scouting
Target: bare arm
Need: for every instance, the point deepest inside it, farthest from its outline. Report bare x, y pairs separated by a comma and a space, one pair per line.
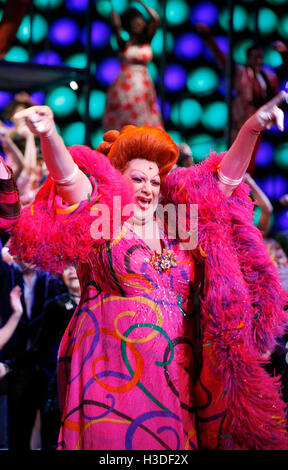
206, 34
264, 204
71, 183
10, 326
9, 147
4, 173
117, 24
236, 160
154, 22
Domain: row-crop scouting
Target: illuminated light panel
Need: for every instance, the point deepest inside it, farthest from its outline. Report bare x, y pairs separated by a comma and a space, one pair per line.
202, 81
240, 18
265, 154
201, 145
96, 104
175, 77
188, 46
62, 101
5, 98
177, 12
48, 58
186, 113
39, 29
283, 26
100, 34
215, 116
204, 12
46, 4
157, 42
281, 220
274, 186
267, 21
77, 6
108, 70
17, 54
97, 138
74, 133
64, 32
281, 155
272, 58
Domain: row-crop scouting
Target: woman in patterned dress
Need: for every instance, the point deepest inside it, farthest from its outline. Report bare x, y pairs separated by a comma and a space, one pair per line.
139, 366
131, 98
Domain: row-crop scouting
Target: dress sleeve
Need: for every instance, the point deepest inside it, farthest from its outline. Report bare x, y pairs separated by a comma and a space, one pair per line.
9, 203
51, 234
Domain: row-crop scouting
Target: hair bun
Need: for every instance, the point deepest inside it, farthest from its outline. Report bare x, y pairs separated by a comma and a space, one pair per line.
108, 139
111, 136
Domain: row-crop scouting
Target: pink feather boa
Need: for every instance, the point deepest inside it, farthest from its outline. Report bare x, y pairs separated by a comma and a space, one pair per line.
51, 238
242, 305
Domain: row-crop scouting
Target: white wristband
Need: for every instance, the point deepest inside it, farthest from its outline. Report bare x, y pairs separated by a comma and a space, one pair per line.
228, 181
69, 178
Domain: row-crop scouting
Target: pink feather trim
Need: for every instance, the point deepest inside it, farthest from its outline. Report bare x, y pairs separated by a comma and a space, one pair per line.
49, 236
242, 306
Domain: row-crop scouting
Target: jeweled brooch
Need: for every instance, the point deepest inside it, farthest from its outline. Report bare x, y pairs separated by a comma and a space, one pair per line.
163, 261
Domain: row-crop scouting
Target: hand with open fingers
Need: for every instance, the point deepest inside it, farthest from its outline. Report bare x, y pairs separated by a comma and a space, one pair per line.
39, 119
271, 114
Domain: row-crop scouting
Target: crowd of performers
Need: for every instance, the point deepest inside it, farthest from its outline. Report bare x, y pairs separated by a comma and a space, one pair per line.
122, 329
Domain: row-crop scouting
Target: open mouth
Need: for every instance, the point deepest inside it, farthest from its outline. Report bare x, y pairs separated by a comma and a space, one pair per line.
144, 203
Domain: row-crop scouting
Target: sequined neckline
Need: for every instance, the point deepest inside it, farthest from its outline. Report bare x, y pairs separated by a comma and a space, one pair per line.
162, 260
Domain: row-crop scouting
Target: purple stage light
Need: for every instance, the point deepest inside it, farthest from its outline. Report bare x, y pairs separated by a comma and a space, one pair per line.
175, 77
188, 46
108, 70
100, 34
281, 220
265, 154
274, 186
64, 32
77, 6
38, 97
5, 98
48, 58
204, 12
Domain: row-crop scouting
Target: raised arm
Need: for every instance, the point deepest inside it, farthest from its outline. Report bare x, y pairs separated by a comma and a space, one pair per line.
265, 206
206, 34
71, 183
10, 147
17, 310
117, 24
154, 20
236, 160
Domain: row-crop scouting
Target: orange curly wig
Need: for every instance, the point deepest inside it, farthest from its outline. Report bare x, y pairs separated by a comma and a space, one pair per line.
149, 143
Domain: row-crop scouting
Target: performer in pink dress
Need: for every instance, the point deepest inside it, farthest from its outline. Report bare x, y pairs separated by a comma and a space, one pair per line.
131, 98
139, 368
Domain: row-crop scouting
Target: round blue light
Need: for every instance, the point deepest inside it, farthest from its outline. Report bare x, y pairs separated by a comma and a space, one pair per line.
281, 220
166, 109
100, 34
274, 186
108, 70
77, 6
188, 46
265, 154
64, 32
204, 12
48, 58
38, 97
5, 98
175, 77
